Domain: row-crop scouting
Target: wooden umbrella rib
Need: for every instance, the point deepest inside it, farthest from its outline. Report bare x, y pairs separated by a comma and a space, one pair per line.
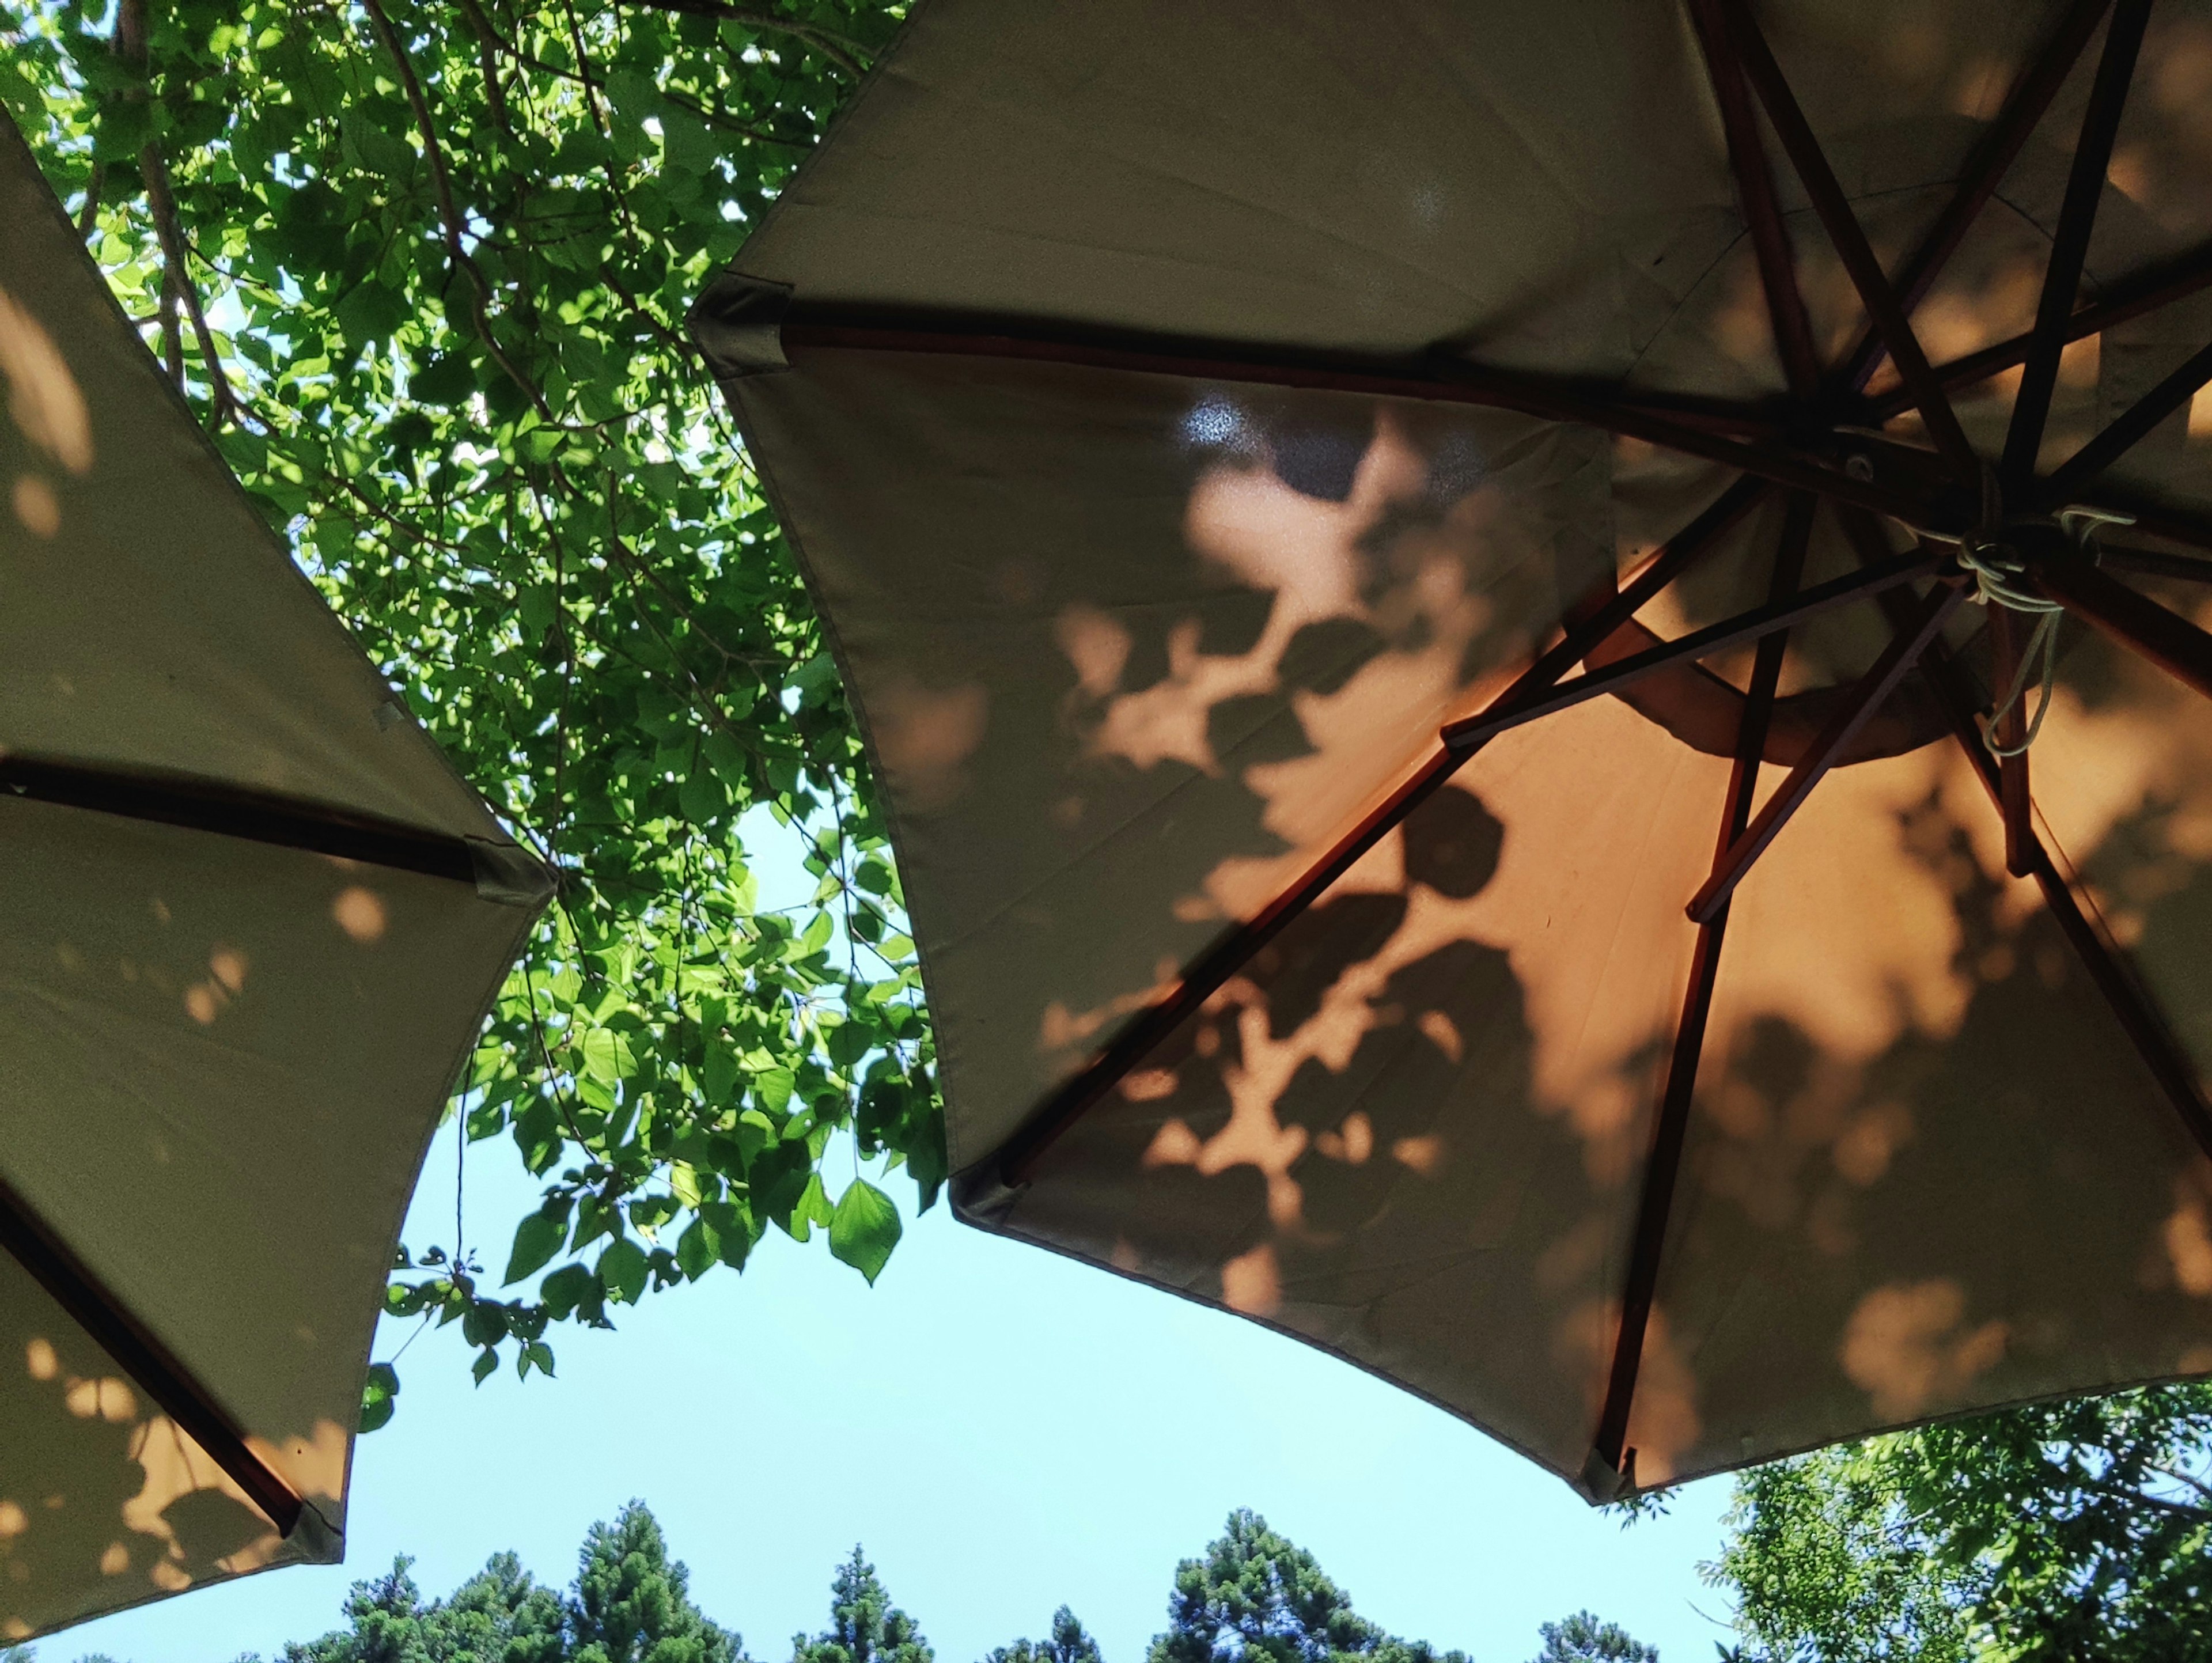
1904, 650
1663, 1166
258, 817
1759, 622
2146, 292
2135, 620
1435, 379
1848, 237
2069, 246
149, 1364
1018, 1157
2153, 562
2126, 430
2138, 1016
1762, 211
1985, 168
2155, 519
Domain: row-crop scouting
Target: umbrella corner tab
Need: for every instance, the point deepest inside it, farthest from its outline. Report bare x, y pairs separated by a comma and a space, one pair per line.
313, 1541
509, 875
737, 324
1601, 1483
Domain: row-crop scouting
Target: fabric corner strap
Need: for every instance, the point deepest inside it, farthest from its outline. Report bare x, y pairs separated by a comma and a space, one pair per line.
737, 325
313, 1539
509, 875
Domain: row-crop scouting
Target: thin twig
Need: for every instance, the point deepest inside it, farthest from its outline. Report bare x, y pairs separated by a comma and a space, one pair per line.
88, 218
448, 214
162, 201
488, 41
584, 68
172, 336
843, 53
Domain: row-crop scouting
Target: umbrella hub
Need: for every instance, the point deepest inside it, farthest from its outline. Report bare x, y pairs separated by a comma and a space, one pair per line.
2004, 553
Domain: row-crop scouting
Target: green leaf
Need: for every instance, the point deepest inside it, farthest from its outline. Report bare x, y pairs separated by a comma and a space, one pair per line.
537, 1239
698, 1248
863, 1228
607, 1056
772, 1087
566, 1291
487, 1360
483, 1325
623, 1270
379, 1396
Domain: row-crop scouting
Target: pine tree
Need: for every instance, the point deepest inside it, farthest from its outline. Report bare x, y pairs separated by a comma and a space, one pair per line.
632, 1602
501, 1615
864, 1626
386, 1618
1583, 1639
1069, 1644
1260, 1598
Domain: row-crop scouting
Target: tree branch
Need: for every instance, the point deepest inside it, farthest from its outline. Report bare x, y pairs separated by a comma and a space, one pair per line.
448, 215
88, 217
2125, 1493
488, 41
174, 261
844, 53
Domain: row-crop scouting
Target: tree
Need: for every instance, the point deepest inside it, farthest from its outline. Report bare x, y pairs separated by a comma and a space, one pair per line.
422, 268
2080, 1528
629, 1604
1068, 1644
865, 1627
632, 1603
1257, 1595
1583, 1638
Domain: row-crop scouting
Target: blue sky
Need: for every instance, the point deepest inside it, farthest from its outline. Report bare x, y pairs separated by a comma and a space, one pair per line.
1004, 1429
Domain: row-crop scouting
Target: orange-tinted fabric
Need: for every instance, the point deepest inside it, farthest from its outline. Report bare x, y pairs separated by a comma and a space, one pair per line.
1133, 650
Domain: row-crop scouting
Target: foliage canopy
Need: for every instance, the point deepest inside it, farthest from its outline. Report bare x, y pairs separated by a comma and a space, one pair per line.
2072, 1529
422, 268
1252, 1595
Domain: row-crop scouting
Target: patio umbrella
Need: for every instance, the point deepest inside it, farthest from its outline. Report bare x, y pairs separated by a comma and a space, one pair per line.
249, 926
1428, 584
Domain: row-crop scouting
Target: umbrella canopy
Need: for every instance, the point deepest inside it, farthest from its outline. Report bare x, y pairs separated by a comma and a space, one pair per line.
251, 924
1410, 571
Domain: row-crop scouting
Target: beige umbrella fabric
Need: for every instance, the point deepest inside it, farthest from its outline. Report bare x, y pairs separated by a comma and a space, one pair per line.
251, 924
1253, 461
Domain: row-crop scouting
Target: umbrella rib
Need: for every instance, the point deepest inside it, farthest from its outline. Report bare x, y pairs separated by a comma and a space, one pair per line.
2154, 563
1435, 378
2132, 298
2135, 620
1762, 212
1847, 236
149, 1364
2155, 519
1663, 1166
1986, 165
1714, 638
256, 817
1018, 1157
2131, 1006
2128, 429
1904, 651
2069, 246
